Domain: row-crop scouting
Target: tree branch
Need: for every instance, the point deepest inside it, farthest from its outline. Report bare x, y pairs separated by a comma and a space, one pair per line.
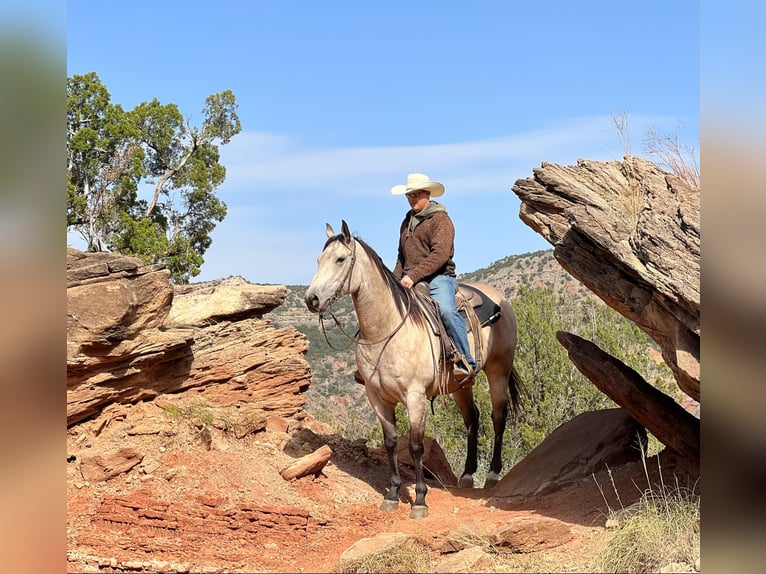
169, 173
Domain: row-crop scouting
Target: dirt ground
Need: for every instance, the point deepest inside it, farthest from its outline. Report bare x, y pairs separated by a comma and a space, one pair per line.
212, 502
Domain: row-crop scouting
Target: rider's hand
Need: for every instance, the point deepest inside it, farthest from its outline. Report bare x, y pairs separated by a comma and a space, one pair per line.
407, 282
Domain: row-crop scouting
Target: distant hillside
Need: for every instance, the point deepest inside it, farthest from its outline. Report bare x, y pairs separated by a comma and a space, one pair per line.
333, 392
537, 269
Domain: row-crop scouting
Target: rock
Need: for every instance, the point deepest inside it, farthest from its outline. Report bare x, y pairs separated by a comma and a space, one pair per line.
531, 534
123, 344
575, 449
210, 304
277, 424
365, 547
630, 233
666, 419
105, 466
472, 559
310, 464
434, 460
111, 298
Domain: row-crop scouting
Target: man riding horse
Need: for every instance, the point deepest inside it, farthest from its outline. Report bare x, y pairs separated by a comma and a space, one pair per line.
426, 249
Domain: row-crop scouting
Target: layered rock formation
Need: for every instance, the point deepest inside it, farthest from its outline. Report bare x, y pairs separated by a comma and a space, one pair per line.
131, 336
631, 234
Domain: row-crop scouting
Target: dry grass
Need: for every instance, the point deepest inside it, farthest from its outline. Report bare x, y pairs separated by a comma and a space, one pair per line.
673, 156
665, 149
661, 529
410, 556
664, 530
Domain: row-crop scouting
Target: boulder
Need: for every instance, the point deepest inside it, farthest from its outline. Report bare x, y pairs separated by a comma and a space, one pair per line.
435, 461
578, 448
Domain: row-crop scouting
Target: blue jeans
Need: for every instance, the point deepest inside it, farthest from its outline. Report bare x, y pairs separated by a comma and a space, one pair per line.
443, 288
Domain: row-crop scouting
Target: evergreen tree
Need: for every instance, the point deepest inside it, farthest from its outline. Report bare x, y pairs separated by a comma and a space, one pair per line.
111, 152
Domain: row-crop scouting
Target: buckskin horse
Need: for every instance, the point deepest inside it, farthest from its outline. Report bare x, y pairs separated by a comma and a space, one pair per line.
400, 355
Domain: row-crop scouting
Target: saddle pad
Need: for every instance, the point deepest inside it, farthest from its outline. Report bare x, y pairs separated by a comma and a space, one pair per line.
487, 311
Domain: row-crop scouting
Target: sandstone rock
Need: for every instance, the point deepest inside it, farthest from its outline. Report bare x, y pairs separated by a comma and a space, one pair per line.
531, 534
666, 419
630, 233
210, 304
310, 464
112, 299
434, 459
105, 466
575, 449
473, 559
365, 547
122, 348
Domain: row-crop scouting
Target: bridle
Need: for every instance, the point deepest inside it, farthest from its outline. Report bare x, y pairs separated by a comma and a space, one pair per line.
338, 294
387, 339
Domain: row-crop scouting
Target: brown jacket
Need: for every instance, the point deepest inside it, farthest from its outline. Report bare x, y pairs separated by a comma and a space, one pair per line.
427, 250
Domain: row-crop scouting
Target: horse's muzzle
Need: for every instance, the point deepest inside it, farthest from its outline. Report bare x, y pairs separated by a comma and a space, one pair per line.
312, 302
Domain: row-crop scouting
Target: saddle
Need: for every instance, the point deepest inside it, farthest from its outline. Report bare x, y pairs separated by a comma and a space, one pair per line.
477, 311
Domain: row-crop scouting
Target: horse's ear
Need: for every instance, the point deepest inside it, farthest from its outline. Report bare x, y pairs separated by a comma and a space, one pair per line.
346, 233
329, 230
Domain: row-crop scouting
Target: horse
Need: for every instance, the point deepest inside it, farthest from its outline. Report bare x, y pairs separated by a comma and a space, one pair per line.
398, 357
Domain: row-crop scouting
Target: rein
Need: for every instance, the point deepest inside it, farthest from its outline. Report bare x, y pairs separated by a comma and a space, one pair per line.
387, 339
354, 339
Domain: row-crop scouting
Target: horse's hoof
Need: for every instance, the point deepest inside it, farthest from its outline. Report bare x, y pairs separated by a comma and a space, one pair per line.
418, 512
465, 482
492, 480
389, 505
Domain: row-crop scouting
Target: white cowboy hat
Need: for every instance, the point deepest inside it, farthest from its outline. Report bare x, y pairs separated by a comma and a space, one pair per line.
418, 181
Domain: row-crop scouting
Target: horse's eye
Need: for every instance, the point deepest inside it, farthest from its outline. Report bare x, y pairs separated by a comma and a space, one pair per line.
340, 260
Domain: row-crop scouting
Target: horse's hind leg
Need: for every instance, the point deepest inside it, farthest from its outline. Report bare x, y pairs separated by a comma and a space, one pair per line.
469, 410
499, 394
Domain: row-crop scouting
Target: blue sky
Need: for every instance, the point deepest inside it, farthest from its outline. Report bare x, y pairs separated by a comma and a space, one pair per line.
340, 100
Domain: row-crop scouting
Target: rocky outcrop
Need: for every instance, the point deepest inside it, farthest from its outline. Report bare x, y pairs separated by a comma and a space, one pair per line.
578, 448
131, 336
630, 233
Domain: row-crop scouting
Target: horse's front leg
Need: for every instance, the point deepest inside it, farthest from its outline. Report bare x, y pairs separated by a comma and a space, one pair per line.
387, 417
417, 416
390, 440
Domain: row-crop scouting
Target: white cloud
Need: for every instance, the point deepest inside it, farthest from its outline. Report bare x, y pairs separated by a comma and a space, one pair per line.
264, 163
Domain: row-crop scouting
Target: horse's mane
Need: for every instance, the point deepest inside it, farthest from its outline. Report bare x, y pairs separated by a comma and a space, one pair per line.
404, 298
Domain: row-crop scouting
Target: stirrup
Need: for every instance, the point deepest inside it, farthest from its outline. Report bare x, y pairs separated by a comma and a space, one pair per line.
461, 374
460, 363
461, 378
462, 370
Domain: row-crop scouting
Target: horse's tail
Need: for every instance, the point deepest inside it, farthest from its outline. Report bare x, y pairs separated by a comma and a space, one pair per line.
517, 389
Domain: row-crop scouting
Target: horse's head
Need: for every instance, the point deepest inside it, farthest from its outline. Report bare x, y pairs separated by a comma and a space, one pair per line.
334, 266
